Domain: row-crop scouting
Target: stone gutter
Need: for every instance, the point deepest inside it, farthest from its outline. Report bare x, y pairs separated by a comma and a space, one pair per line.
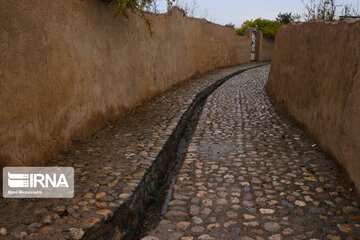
125, 221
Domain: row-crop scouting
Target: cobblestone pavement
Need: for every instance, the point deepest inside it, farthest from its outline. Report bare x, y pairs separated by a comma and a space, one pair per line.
108, 167
249, 174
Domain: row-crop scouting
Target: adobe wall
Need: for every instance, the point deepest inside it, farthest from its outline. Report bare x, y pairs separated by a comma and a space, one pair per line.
264, 47
315, 80
67, 66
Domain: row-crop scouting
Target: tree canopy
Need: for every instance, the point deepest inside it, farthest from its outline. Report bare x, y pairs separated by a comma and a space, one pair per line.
285, 18
268, 27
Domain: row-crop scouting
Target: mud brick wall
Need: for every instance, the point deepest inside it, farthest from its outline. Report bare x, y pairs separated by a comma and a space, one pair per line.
264, 47
67, 66
315, 81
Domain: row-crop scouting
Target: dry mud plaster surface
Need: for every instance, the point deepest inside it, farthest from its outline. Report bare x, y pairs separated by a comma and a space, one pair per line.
315, 81
68, 66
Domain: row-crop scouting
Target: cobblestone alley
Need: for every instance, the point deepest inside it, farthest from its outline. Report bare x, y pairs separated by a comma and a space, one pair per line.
249, 174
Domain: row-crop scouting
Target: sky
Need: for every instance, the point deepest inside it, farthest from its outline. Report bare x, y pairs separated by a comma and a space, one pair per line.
238, 11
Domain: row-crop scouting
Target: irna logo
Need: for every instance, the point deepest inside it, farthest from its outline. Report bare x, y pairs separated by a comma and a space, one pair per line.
38, 182
19, 180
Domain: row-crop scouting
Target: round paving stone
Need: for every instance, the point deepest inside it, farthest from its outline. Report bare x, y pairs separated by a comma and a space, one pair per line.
272, 226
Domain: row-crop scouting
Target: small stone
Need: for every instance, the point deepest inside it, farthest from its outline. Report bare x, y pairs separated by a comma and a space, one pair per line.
177, 203
311, 179
272, 226
267, 211
174, 214
212, 226
273, 202
248, 196
248, 203
82, 203
138, 174
113, 183
60, 210
40, 211
101, 204
228, 176
330, 203
345, 228
34, 227
350, 209
180, 196
249, 217
124, 195
206, 211
100, 195
236, 206
228, 224
76, 233
23, 235
200, 194
287, 231
300, 203
193, 200
194, 210
221, 201
275, 237
231, 214
92, 222
197, 229
287, 204
308, 199
333, 237
247, 238
251, 224
3, 231
323, 179
183, 225
46, 229
305, 188
46, 219
108, 198
88, 195
291, 198
236, 194
106, 213
150, 238
187, 238
207, 202
206, 237
175, 235
197, 220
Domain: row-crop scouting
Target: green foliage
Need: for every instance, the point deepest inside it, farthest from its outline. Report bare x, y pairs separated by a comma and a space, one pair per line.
267, 27
123, 5
285, 18
138, 6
